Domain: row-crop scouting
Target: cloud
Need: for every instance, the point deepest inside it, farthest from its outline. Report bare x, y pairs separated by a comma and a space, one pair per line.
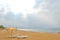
37, 2
48, 11
45, 14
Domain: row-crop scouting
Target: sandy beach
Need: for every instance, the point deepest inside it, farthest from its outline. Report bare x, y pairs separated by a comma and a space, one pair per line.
4, 35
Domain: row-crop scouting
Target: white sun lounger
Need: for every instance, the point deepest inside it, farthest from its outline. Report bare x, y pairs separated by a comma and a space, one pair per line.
14, 36
21, 36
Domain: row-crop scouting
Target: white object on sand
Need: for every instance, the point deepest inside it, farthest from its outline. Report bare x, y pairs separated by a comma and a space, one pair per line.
21, 36
14, 36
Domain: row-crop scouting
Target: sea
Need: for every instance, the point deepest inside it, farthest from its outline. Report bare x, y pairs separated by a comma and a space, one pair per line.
49, 30
39, 29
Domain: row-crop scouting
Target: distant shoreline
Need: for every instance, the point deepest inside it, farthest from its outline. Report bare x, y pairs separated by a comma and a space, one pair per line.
34, 30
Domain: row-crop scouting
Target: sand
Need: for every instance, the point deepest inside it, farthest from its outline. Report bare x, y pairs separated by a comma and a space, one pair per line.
4, 35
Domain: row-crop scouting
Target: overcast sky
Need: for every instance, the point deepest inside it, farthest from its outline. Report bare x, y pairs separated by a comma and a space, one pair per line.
30, 13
